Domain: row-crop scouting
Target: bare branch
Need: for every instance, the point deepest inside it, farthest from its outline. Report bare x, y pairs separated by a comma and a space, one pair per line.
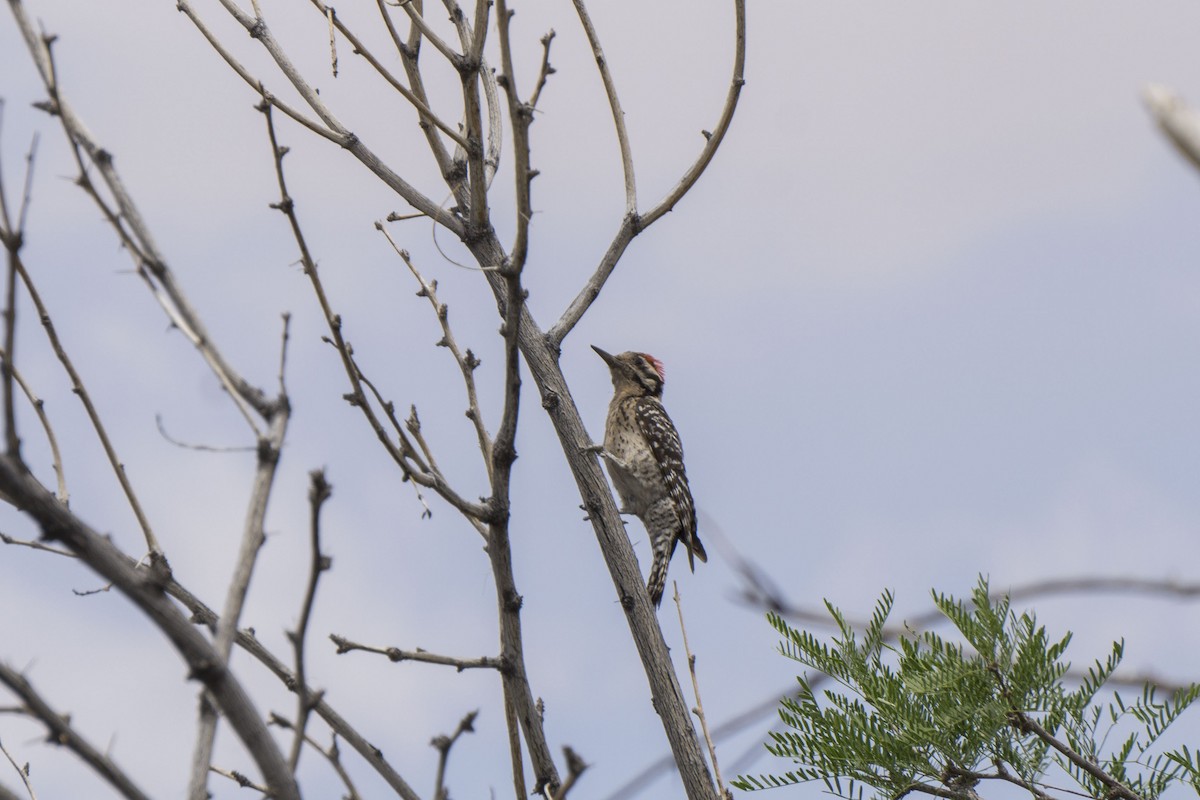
144, 588
243, 73
240, 779
412, 466
409, 54
22, 771
330, 754
467, 362
610, 89
253, 536
420, 25
760, 592
515, 757
258, 29
473, 69
541, 357
12, 441
396, 655
12, 236
4, 537
591, 290
203, 448
521, 117
718, 134
517, 691
127, 222
418, 102
39, 408
329, 15
699, 709
1180, 123
203, 615
60, 732
269, 449
545, 72
319, 491
1024, 722
575, 768
482, 8
478, 175
633, 224
77, 387
443, 744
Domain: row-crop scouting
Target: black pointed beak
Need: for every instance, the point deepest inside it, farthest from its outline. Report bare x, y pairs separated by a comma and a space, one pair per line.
608, 359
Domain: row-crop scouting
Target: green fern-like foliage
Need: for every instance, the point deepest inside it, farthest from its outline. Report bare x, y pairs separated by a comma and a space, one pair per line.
914, 712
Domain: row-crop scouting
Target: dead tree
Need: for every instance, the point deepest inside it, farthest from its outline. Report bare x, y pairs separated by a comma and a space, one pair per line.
465, 135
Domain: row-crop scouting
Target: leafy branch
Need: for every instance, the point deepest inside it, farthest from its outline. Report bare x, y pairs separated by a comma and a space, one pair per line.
940, 717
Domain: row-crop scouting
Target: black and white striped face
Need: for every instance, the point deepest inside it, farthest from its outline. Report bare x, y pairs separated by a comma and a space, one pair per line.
638, 373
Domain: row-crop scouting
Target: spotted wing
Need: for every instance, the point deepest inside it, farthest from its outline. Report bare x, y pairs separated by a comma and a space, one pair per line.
660, 432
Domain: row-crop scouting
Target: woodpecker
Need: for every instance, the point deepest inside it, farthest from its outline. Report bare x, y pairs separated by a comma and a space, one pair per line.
645, 460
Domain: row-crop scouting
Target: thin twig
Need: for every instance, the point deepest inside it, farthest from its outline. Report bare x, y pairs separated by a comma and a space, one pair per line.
329, 15
413, 426
60, 732
6, 539
127, 222
22, 771
411, 464
253, 535
1178, 121
416, 100
714, 138
699, 709
396, 655
241, 780
409, 54
269, 448
545, 72
472, 67
12, 236
144, 587
243, 73
470, 72
467, 362
575, 768
633, 223
318, 492
1024, 722
591, 289
330, 754
418, 21
520, 116
515, 758
39, 408
443, 744
12, 440
610, 89
200, 448
78, 388
259, 30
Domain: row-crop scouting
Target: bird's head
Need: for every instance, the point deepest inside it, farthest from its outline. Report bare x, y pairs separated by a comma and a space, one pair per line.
634, 373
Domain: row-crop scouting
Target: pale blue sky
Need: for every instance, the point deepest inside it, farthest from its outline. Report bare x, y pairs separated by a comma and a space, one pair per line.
932, 312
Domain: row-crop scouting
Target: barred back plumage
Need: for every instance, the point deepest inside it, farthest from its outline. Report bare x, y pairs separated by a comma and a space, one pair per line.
645, 460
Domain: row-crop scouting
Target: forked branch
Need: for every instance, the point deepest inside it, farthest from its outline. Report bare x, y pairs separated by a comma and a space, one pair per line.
633, 223
143, 586
59, 731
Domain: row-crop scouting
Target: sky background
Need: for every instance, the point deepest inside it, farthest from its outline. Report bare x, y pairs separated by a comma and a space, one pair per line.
931, 313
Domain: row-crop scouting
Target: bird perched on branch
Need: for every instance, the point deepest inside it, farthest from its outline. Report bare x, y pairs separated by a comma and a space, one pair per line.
645, 460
